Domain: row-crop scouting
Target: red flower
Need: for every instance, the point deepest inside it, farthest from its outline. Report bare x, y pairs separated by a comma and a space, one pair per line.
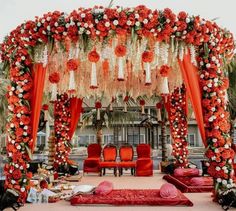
120, 50
142, 102
16, 174
72, 64
45, 107
54, 77
159, 105
147, 56
93, 56
98, 105
164, 70
126, 99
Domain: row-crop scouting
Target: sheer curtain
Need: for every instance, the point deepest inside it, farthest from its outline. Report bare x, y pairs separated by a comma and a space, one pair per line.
76, 108
191, 80
38, 75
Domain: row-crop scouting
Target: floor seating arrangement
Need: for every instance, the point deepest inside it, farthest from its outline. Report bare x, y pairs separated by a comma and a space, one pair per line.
144, 163
91, 164
132, 197
126, 153
109, 159
189, 180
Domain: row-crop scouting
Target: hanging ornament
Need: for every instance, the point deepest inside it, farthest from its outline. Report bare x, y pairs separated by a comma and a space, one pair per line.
164, 72
72, 66
120, 52
111, 106
142, 104
126, 99
54, 78
45, 56
159, 107
147, 58
93, 57
98, 106
46, 114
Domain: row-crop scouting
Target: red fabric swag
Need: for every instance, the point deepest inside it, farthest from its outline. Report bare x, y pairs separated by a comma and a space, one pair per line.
191, 80
38, 75
76, 108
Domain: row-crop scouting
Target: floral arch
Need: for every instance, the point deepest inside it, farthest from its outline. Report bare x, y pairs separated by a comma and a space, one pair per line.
137, 46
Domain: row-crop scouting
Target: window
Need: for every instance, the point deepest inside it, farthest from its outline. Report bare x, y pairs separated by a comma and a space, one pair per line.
191, 140
108, 138
142, 138
85, 140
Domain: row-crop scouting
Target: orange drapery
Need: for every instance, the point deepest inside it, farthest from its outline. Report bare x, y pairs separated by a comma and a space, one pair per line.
76, 108
191, 80
38, 75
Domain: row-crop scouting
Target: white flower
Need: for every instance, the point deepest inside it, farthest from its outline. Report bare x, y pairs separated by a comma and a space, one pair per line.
56, 24
145, 21
64, 33
38, 24
104, 16
167, 20
86, 25
136, 16
48, 28
137, 23
209, 85
175, 28
226, 146
18, 147
10, 171
213, 58
107, 24
82, 15
24, 180
224, 182
17, 165
128, 22
216, 150
208, 65
13, 182
25, 133
22, 189
88, 32
218, 168
12, 125
187, 20
97, 32
43, 20
78, 23
214, 140
72, 23
20, 95
211, 119
115, 22
219, 180
18, 115
67, 25
90, 25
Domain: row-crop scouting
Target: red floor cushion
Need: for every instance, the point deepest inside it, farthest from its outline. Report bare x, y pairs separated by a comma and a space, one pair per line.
168, 191
188, 172
104, 188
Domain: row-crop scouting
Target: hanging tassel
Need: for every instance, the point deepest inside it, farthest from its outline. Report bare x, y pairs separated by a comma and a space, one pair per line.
125, 107
72, 81
54, 92
142, 104
98, 106
158, 114
164, 88
98, 114
111, 107
148, 73
93, 84
121, 76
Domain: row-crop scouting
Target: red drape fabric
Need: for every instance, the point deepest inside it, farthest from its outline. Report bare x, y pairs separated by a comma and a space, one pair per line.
38, 75
76, 108
191, 80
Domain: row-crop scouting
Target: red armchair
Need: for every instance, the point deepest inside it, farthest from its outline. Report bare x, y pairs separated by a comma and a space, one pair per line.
144, 163
126, 159
109, 159
91, 164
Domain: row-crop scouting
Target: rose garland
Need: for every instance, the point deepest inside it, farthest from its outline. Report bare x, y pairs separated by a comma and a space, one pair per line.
178, 126
98, 22
19, 141
62, 126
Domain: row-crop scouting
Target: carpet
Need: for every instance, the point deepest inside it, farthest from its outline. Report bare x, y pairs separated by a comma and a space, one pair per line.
184, 184
120, 197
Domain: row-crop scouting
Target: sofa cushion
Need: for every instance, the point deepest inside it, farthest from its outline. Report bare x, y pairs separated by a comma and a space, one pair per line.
104, 188
168, 191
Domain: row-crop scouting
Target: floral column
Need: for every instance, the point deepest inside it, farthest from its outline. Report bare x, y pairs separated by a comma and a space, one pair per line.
178, 126
62, 126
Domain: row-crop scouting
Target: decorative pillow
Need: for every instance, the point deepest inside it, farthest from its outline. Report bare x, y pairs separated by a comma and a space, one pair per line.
104, 188
202, 181
180, 172
168, 191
